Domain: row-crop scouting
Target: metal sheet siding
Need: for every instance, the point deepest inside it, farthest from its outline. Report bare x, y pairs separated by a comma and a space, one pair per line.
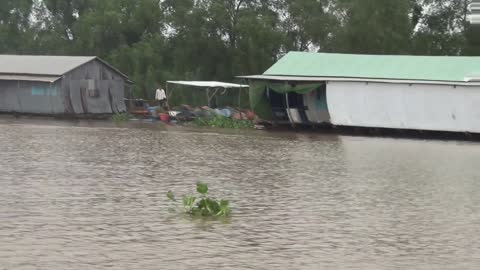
404, 106
117, 96
31, 97
109, 83
95, 70
317, 111
9, 100
75, 96
68, 95
100, 104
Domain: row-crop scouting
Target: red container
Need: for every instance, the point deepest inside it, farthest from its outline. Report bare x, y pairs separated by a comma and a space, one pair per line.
164, 117
250, 115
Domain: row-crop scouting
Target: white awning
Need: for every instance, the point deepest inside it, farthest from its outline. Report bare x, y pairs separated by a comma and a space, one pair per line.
207, 84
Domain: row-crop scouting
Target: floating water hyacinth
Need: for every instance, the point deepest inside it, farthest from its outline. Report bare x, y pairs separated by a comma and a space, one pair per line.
203, 205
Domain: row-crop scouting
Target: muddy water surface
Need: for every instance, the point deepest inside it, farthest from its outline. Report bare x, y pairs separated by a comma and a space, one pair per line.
92, 196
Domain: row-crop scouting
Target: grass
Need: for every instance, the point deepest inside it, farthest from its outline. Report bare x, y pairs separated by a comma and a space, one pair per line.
224, 122
121, 117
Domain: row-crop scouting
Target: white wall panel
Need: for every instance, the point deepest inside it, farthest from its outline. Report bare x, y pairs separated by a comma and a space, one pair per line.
404, 106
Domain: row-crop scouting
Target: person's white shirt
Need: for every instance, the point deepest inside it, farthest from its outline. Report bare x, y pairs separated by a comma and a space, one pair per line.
160, 94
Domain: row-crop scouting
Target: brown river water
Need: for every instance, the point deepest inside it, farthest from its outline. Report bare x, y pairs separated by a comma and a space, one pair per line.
91, 195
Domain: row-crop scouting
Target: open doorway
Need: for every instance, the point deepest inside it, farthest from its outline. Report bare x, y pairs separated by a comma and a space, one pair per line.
279, 106
287, 108
296, 108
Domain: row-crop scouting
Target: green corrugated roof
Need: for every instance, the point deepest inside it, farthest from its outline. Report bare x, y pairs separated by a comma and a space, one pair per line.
398, 67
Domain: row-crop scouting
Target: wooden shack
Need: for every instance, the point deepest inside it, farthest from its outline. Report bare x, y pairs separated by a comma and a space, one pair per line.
61, 85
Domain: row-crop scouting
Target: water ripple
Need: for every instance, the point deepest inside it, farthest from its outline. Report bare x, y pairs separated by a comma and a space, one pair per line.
81, 197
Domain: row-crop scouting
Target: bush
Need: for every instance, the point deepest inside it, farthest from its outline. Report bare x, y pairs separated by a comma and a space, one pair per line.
224, 122
121, 117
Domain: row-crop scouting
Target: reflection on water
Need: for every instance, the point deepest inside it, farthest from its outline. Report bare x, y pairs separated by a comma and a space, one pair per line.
83, 195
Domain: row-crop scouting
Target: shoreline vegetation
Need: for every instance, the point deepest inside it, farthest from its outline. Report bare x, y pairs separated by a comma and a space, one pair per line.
122, 117
224, 122
217, 121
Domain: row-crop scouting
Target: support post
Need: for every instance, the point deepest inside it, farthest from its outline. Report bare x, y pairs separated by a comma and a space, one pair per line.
239, 97
288, 111
208, 97
168, 94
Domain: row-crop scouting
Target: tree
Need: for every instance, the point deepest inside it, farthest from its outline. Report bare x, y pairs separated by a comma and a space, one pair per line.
63, 14
156, 40
15, 25
373, 27
442, 27
307, 24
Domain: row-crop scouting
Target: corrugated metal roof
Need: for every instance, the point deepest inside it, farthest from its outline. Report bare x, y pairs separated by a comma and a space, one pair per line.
32, 78
424, 68
469, 82
41, 65
45, 65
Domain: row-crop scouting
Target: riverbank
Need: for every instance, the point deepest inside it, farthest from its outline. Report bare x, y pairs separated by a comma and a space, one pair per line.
154, 124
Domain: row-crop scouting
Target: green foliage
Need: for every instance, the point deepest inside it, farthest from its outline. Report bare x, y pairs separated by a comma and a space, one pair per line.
202, 188
171, 196
302, 20
203, 206
374, 27
121, 117
224, 122
15, 32
153, 41
443, 30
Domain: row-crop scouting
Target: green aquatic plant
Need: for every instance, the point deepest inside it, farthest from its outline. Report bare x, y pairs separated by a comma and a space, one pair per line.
121, 117
203, 205
224, 122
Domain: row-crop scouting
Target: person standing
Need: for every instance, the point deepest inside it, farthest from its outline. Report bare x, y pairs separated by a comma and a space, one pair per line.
161, 96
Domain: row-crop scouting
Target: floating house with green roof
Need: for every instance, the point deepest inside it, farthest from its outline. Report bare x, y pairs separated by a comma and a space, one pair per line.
437, 93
